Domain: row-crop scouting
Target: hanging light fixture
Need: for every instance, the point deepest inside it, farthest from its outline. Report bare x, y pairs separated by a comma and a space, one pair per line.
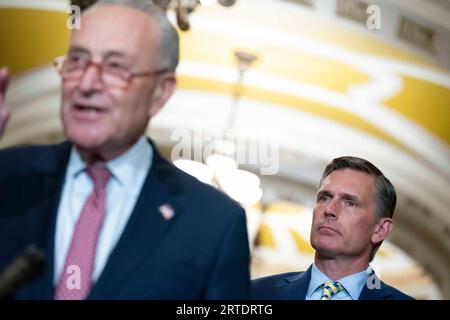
183, 8
220, 168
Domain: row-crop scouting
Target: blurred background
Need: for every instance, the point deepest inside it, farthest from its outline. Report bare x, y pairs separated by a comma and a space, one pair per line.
269, 92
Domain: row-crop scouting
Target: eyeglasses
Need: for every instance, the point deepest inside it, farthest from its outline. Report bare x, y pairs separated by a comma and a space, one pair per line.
112, 73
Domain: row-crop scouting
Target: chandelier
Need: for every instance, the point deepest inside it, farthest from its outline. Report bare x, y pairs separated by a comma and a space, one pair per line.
182, 8
220, 168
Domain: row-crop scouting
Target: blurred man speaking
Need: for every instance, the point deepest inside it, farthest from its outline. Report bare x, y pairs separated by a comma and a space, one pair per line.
115, 219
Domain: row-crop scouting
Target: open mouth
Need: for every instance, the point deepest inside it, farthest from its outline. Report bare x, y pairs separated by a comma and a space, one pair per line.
84, 108
84, 112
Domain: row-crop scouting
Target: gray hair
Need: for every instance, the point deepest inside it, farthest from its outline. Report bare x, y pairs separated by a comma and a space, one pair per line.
169, 40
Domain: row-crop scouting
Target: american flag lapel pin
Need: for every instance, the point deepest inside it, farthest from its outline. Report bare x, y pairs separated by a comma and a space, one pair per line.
166, 211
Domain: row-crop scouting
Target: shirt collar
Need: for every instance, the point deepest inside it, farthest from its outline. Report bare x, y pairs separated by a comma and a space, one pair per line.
76, 165
123, 168
317, 279
137, 159
353, 283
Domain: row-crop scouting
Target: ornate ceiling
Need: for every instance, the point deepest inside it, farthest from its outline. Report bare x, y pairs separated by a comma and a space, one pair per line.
323, 86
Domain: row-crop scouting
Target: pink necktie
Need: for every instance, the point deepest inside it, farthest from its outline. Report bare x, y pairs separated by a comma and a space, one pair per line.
76, 279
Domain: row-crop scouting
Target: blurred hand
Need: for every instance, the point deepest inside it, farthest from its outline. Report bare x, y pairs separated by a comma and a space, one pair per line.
4, 112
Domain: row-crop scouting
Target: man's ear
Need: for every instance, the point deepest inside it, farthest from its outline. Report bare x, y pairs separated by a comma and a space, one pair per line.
164, 89
383, 229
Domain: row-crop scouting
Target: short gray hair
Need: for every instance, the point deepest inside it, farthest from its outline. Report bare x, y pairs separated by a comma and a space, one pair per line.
169, 40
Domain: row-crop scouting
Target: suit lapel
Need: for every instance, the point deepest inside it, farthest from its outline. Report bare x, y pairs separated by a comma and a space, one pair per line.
295, 287
49, 168
144, 230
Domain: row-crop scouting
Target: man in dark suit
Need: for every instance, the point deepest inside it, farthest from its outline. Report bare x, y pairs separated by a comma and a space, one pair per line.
351, 218
115, 219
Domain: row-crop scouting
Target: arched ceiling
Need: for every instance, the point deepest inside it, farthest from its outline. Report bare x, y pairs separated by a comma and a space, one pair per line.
321, 87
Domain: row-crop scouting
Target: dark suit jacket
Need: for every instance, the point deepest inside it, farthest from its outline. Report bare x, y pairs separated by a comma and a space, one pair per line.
294, 286
201, 253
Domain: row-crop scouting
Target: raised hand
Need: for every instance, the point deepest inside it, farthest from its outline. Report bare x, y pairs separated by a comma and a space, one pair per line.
4, 112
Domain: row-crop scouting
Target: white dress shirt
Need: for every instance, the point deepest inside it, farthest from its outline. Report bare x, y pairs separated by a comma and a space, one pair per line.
128, 173
353, 284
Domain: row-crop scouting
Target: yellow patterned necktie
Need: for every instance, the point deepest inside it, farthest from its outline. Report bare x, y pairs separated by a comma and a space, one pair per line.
330, 289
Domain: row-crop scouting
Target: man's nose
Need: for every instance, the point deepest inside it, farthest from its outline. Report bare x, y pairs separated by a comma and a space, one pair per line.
91, 81
331, 210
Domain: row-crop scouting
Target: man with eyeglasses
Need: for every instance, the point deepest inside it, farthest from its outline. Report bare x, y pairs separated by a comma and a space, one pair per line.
116, 220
